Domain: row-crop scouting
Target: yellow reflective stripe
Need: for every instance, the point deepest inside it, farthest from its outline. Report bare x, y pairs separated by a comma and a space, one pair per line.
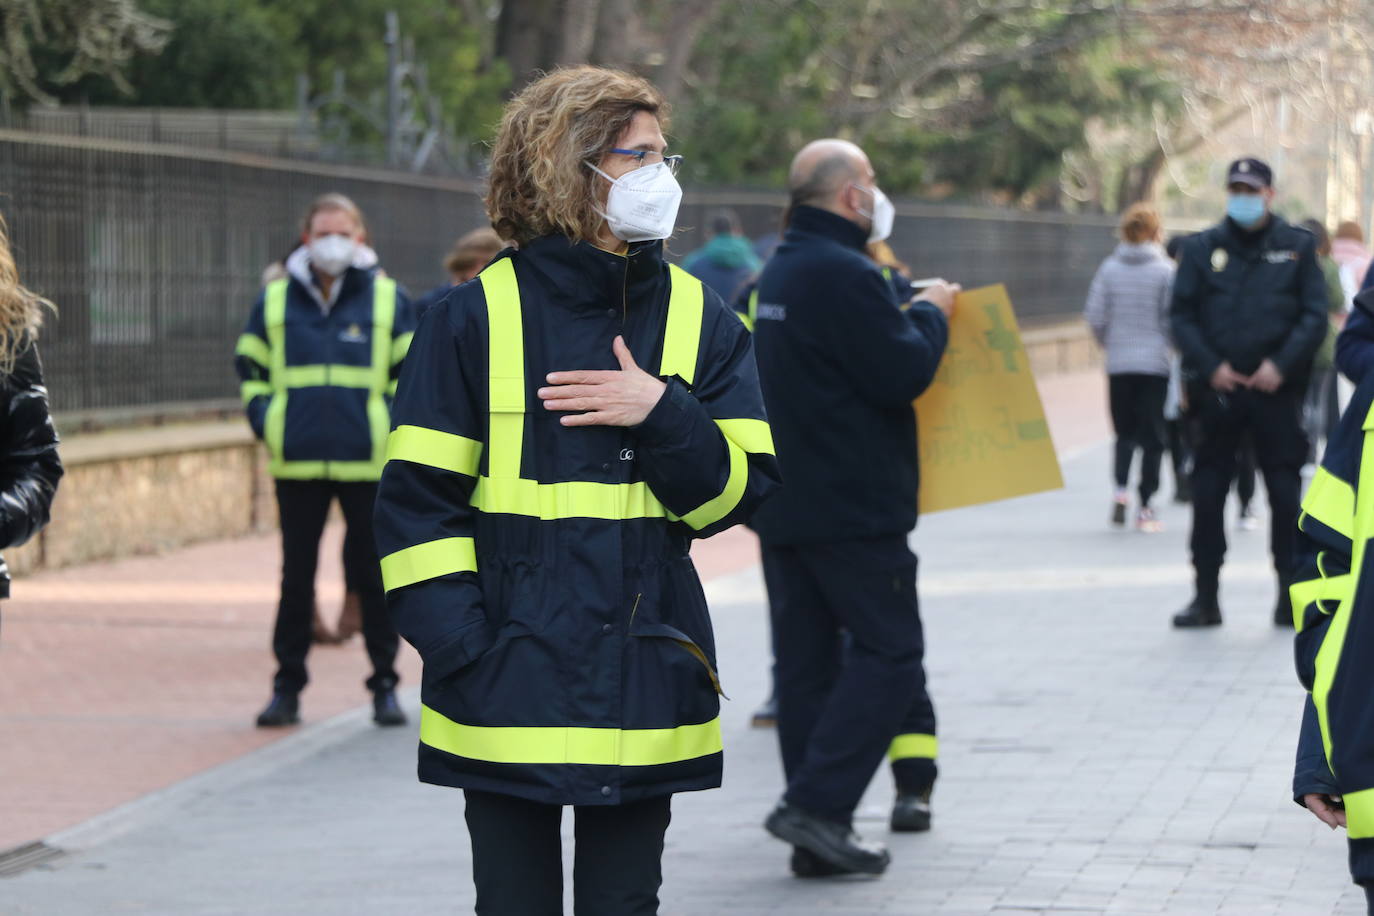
1359, 814
1301, 594
573, 499
682, 333
1333, 642
446, 451
753, 308
254, 389
1331, 501
627, 747
255, 348
428, 561
506, 369
716, 509
914, 746
401, 346
391, 388
383, 320
754, 436
319, 376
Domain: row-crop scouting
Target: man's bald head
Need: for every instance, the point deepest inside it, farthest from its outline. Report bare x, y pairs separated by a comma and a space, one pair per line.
824, 169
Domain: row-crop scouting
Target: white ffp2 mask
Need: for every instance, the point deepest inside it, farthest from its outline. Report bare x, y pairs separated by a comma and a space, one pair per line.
642, 204
332, 254
882, 215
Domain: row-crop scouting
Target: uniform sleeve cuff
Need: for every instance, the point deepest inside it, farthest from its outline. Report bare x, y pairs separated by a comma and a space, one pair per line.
671, 417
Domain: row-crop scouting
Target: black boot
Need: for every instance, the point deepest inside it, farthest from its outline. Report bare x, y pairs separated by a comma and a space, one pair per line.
1283, 608
766, 716
806, 864
911, 812
284, 709
1203, 610
385, 709
831, 841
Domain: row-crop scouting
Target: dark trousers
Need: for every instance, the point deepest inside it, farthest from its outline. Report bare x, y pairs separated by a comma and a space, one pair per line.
517, 856
1245, 472
304, 508
1137, 405
841, 702
1221, 422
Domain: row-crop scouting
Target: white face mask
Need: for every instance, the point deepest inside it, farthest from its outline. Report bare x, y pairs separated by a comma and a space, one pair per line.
332, 254
642, 205
882, 214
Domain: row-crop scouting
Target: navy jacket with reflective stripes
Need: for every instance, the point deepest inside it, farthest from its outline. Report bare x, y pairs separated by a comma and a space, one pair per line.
542, 571
317, 385
840, 364
1333, 609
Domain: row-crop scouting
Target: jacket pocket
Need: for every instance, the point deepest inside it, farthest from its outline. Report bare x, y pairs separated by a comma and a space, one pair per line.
646, 629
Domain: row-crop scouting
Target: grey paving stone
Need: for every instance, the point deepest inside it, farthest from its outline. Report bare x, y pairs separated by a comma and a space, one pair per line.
1093, 761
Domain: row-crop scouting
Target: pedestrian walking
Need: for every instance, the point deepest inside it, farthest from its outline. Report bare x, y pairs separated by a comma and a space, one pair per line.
318, 362
1248, 313
473, 251
1333, 607
28, 445
1352, 257
727, 262
840, 364
1128, 311
1319, 404
565, 427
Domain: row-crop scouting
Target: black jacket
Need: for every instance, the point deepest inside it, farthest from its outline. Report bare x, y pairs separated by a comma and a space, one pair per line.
840, 364
542, 571
1243, 297
29, 466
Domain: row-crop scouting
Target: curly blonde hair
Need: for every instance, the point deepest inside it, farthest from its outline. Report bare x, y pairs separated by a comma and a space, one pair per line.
1140, 223
539, 183
21, 309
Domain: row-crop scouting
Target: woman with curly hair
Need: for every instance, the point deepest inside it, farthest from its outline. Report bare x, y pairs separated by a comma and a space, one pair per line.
566, 425
29, 466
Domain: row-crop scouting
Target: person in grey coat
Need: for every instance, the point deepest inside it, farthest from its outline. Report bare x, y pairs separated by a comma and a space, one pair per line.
1128, 310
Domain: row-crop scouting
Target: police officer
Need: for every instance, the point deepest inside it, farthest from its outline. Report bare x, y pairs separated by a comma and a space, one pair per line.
318, 362
565, 426
840, 364
1248, 313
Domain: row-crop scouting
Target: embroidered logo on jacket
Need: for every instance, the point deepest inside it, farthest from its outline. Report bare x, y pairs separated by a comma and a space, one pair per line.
1280, 257
354, 334
1219, 259
769, 311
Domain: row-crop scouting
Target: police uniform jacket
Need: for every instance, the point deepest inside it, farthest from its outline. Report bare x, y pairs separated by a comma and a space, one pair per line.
1333, 609
542, 571
840, 363
1243, 297
317, 380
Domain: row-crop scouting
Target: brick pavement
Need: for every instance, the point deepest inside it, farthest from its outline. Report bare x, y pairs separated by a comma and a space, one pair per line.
1094, 761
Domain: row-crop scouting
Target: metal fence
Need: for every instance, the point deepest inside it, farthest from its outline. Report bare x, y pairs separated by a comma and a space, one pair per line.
154, 253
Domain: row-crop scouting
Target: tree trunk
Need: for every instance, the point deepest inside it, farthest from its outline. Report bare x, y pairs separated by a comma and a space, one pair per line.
611, 45
684, 25
579, 30
527, 38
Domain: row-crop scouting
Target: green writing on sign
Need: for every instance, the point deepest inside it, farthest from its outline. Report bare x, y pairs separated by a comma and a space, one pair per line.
1001, 338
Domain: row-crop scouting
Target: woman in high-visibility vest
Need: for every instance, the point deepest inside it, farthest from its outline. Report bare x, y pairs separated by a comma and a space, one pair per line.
318, 362
566, 424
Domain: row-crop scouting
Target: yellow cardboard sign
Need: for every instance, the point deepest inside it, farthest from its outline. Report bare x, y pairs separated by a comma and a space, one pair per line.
981, 426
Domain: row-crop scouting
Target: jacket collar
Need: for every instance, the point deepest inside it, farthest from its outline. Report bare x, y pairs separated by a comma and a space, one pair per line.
1248, 238
578, 275
298, 269
815, 221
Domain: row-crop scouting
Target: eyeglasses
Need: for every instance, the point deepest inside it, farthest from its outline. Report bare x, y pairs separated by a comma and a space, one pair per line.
648, 157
